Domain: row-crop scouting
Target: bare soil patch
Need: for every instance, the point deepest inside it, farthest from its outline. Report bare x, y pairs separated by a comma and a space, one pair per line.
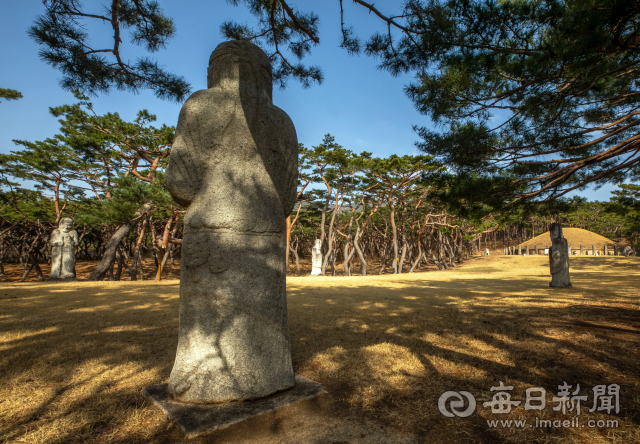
74, 357
14, 271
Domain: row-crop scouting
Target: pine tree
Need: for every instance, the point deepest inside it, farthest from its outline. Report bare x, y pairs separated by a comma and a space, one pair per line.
541, 96
10, 94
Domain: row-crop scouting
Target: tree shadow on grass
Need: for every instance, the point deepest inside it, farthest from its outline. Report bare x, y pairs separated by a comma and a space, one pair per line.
74, 358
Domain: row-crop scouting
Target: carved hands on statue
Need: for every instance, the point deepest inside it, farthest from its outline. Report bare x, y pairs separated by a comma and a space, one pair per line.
56, 238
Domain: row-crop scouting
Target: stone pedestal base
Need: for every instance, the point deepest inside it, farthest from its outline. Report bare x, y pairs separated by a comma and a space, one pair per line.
197, 419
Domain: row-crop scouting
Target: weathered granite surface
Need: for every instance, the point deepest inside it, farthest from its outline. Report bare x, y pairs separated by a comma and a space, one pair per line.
234, 165
316, 258
559, 258
64, 241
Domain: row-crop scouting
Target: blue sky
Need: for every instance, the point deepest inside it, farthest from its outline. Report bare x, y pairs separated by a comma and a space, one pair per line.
364, 108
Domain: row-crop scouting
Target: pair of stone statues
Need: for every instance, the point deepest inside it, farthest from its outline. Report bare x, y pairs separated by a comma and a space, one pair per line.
234, 166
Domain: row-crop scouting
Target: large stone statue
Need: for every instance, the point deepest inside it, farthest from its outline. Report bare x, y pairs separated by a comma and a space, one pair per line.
559, 258
234, 166
64, 241
316, 258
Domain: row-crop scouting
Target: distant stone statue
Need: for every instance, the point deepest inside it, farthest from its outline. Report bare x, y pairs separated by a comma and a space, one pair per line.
64, 241
316, 258
486, 252
234, 165
628, 251
559, 258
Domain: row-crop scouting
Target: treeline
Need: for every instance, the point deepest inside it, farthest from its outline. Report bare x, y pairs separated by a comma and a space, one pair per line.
107, 174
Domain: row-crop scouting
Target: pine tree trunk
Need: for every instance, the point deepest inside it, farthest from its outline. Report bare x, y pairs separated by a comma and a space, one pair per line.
109, 256
120, 260
418, 259
356, 247
2, 253
295, 254
141, 268
136, 251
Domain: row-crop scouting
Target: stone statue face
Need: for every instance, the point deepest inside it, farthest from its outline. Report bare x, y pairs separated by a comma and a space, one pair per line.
66, 225
318, 243
555, 231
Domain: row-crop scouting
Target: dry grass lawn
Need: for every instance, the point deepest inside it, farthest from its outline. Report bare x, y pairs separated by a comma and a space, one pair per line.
73, 358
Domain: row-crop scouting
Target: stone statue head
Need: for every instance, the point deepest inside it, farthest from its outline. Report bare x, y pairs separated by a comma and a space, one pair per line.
318, 244
555, 231
66, 224
240, 64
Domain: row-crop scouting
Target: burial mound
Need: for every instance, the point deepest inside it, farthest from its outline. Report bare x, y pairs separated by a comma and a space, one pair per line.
575, 237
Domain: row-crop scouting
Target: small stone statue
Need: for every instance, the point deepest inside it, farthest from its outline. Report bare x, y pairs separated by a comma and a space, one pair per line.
486, 252
316, 258
234, 165
64, 241
559, 258
628, 251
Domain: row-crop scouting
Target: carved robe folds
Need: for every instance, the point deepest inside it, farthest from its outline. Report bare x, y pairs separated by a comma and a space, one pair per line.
64, 241
234, 165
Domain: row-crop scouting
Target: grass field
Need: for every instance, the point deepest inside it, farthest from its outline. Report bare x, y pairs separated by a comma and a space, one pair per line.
73, 358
